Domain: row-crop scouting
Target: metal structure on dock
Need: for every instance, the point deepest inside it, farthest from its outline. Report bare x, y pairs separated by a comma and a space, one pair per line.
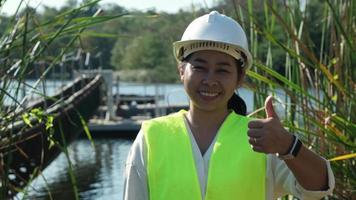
121, 115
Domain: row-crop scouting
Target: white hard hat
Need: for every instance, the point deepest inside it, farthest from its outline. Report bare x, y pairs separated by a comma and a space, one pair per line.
214, 31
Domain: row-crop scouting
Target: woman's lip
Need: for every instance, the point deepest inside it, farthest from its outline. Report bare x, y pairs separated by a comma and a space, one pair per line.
208, 96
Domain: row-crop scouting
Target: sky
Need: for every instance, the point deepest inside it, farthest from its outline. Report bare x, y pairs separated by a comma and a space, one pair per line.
160, 5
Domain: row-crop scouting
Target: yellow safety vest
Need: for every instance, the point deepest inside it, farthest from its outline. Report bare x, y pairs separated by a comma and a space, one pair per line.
235, 170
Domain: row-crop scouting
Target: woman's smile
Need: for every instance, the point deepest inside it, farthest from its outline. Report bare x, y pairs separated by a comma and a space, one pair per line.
208, 94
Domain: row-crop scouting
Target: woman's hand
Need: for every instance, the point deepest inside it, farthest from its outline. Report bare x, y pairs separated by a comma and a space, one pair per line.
268, 135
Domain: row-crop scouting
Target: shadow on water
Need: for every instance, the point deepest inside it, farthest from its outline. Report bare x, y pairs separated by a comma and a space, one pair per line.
98, 172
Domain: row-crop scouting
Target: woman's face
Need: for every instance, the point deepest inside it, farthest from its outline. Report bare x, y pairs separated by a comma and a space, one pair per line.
209, 78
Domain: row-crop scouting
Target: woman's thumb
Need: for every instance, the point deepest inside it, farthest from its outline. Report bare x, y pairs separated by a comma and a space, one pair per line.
270, 113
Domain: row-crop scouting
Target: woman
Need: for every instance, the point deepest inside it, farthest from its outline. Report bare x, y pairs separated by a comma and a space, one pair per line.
212, 151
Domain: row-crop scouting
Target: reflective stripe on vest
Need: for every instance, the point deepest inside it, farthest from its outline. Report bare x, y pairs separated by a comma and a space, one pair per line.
235, 171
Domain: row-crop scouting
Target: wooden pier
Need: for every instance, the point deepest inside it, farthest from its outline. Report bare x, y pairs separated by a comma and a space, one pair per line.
121, 115
128, 121
124, 128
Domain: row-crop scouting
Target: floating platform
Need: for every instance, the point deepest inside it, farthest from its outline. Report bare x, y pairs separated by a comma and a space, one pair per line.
128, 120
126, 128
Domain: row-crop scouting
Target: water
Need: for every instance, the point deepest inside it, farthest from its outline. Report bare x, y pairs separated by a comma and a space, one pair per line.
99, 172
173, 94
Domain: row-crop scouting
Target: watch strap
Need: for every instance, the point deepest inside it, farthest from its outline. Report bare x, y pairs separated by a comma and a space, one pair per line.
293, 149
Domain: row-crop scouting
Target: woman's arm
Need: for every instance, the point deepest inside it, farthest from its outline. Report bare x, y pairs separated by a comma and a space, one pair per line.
269, 136
284, 182
135, 177
309, 169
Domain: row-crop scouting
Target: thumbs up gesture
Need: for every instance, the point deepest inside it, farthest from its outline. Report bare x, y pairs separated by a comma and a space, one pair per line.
268, 135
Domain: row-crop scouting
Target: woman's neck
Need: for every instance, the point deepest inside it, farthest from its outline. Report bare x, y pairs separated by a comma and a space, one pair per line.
207, 119
204, 126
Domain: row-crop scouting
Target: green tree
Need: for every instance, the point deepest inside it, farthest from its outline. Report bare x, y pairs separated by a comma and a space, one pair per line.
147, 44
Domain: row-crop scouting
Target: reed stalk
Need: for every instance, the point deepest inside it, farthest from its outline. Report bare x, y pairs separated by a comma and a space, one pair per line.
26, 42
318, 79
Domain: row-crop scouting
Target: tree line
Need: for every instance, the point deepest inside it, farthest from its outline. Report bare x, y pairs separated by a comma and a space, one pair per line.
138, 44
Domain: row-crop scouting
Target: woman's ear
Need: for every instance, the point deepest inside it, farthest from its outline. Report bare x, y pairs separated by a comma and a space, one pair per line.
181, 68
241, 78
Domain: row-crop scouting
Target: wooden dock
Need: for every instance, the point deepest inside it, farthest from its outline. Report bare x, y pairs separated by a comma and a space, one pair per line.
126, 128
121, 114
127, 122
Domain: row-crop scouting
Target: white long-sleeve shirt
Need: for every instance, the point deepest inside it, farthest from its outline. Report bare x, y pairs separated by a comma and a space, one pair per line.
279, 179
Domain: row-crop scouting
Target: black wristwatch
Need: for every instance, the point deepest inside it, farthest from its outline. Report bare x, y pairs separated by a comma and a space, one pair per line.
293, 149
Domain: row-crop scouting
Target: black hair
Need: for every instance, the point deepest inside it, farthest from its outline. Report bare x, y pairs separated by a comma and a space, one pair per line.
237, 104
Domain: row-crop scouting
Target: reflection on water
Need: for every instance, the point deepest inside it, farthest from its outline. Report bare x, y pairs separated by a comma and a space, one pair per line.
99, 172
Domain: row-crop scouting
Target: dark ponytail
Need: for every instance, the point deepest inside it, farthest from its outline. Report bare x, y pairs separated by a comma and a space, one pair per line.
237, 104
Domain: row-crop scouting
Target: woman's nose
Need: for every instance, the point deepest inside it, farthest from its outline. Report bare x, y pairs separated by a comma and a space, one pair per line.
209, 79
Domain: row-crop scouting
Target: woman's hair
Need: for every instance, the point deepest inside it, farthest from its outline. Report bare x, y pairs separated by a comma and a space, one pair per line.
235, 103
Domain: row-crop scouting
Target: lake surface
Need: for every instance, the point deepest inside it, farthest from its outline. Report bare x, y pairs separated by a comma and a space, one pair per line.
99, 172
171, 94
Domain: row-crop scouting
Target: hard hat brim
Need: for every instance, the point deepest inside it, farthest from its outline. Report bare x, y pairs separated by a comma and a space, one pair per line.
181, 49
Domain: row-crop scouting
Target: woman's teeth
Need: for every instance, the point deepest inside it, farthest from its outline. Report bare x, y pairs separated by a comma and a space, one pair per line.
209, 94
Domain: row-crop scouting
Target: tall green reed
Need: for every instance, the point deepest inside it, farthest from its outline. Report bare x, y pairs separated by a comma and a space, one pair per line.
318, 78
25, 42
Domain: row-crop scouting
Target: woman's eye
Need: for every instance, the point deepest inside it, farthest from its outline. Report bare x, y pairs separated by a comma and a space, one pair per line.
198, 68
223, 71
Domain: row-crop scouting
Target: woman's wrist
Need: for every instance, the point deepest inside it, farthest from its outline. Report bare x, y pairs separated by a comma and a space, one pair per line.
293, 149
286, 144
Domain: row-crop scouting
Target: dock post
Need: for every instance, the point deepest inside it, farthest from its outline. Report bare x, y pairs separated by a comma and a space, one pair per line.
157, 111
107, 74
